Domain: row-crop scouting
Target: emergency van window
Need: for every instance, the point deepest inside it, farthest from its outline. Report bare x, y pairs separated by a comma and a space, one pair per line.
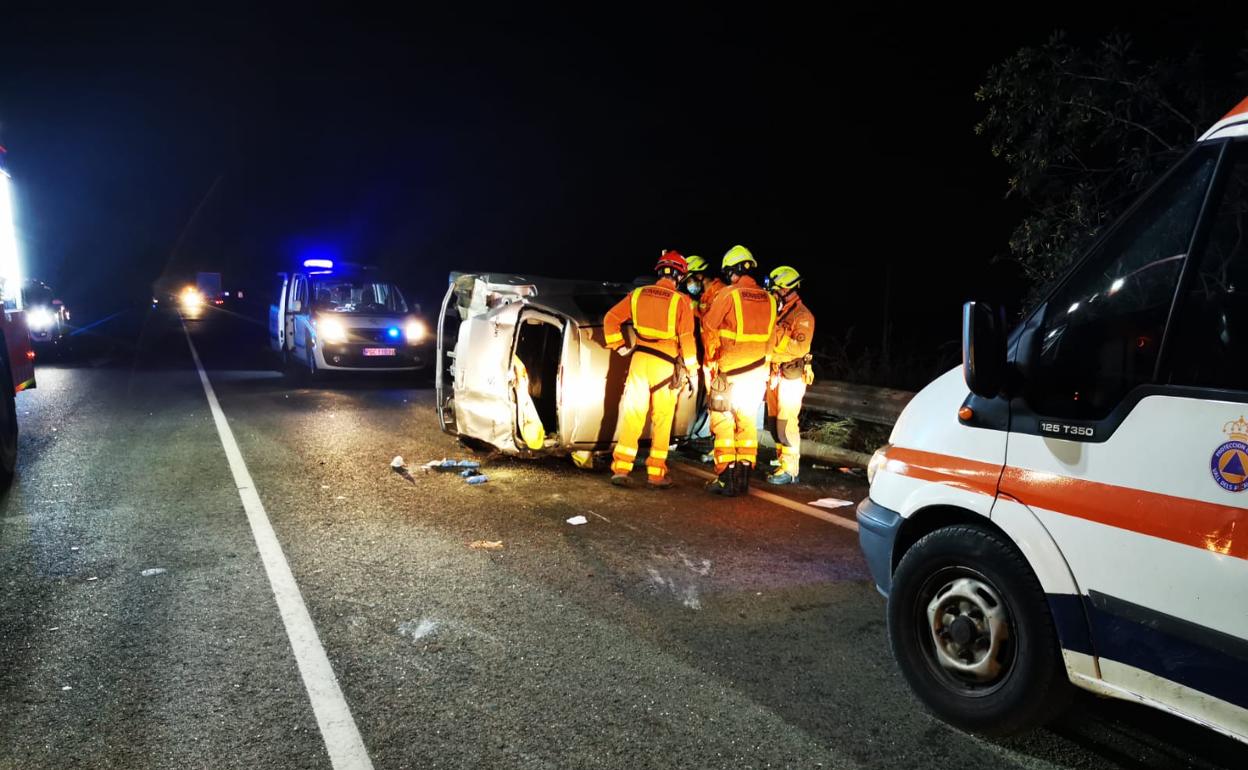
1210, 334
342, 295
1103, 327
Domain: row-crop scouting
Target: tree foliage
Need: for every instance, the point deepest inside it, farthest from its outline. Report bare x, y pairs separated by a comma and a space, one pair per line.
1084, 130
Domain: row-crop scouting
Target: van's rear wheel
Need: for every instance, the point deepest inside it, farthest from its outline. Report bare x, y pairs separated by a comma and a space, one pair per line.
971, 630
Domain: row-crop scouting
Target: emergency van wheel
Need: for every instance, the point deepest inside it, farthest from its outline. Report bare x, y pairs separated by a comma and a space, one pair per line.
972, 633
8, 426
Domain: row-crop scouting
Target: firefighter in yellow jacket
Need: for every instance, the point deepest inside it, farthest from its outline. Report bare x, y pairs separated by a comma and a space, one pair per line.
790, 371
736, 331
662, 360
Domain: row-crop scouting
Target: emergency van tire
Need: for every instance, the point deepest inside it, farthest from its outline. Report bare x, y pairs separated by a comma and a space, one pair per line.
972, 633
8, 425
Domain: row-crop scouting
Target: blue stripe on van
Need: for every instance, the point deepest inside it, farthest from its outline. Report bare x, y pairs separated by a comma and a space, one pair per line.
1202, 658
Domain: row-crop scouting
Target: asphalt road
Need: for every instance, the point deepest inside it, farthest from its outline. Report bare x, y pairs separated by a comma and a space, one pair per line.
674, 630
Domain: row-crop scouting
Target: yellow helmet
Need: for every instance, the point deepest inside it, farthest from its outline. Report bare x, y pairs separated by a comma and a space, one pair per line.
739, 257
785, 277
696, 264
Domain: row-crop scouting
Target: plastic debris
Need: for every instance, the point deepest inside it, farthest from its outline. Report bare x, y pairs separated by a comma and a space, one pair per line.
470, 473
74, 548
474, 480
486, 545
398, 466
578, 520
153, 571
92, 578
65, 688
447, 464
831, 502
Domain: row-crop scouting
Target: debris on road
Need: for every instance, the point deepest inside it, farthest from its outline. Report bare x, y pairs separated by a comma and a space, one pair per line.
153, 571
66, 687
578, 520
474, 480
831, 502
446, 464
417, 629
92, 578
583, 459
74, 548
486, 545
398, 466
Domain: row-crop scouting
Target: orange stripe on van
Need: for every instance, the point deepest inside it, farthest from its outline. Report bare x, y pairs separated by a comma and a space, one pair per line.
1209, 526
1239, 109
1222, 529
971, 475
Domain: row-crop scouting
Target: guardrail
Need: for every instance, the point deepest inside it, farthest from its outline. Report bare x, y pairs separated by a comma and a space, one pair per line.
857, 402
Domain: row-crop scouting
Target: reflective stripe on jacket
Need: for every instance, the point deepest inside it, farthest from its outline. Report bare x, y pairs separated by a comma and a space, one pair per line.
738, 328
795, 330
662, 318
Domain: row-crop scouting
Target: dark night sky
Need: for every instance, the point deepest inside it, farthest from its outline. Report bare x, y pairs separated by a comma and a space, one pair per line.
553, 144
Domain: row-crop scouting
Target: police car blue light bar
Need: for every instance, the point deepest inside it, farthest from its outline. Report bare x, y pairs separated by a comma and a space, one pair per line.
328, 264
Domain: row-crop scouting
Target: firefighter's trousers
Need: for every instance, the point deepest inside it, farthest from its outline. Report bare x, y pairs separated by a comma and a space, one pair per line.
736, 434
784, 402
646, 389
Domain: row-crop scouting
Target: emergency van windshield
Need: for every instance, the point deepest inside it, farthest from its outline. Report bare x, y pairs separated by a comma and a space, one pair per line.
344, 295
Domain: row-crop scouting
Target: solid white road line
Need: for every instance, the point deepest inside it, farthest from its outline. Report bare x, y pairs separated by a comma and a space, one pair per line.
333, 716
792, 505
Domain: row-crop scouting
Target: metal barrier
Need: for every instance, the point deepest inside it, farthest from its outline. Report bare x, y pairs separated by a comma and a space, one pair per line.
858, 402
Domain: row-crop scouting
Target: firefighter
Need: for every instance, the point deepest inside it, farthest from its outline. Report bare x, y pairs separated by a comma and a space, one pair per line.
790, 371
662, 359
700, 286
737, 331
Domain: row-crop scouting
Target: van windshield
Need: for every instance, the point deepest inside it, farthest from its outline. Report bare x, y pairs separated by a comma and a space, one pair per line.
345, 295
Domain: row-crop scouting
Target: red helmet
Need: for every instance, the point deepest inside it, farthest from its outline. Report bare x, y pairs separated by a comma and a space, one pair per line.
673, 260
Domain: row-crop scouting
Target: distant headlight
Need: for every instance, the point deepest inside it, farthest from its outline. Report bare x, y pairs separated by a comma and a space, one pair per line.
331, 330
877, 461
416, 331
39, 319
191, 298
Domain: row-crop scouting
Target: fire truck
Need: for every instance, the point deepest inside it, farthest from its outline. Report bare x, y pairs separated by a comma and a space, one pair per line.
17, 359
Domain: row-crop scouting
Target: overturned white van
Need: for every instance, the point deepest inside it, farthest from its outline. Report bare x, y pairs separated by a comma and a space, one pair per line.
512, 347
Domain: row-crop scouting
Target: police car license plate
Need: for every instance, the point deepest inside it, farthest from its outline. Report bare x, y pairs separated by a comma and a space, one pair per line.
378, 351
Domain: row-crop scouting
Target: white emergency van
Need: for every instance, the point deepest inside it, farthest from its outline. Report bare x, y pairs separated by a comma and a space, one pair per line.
343, 317
1071, 506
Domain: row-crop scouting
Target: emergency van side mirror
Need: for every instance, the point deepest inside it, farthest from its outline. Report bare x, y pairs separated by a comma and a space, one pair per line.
983, 349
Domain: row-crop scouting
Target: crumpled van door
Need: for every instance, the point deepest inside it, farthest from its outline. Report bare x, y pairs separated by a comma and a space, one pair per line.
481, 400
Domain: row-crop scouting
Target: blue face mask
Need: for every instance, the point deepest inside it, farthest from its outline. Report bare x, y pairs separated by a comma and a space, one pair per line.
693, 287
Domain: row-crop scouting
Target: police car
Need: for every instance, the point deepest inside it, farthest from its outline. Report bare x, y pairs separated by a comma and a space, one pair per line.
1081, 514
345, 317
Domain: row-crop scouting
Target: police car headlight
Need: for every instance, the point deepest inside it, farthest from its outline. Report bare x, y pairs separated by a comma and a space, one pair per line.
39, 319
877, 461
331, 330
415, 331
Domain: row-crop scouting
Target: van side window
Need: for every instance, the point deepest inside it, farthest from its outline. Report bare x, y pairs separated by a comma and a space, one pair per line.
1210, 333
1103, 327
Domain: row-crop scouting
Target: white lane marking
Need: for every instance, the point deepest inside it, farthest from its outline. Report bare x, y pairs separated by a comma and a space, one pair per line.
333, 716
792, 505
